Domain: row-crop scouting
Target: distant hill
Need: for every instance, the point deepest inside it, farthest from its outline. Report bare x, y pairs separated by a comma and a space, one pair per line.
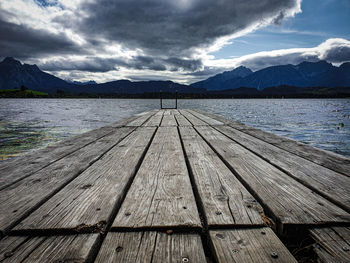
305, 74
302, 80
14, 74
217, 82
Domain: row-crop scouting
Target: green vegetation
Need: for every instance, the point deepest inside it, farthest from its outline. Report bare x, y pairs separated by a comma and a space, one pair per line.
22, 93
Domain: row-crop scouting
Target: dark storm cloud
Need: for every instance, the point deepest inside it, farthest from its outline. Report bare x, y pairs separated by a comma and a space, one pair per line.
97, 64
21, 41
175, 27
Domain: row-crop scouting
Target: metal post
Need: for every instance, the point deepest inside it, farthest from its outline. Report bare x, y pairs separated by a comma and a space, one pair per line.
161, 100
176, 100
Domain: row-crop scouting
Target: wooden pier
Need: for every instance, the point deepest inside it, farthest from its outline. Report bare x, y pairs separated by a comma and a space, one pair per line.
175, 186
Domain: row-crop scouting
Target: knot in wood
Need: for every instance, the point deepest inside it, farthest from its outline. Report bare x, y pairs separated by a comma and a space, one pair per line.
119, 249
8, 254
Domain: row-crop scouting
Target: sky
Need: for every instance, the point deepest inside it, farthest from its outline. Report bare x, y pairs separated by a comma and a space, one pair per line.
184, 40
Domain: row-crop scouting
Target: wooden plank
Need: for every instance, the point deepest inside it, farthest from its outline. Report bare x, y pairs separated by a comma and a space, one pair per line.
21, 198
191, 118
72, 248
151, 247
161, 193
330, 184
249, 245
224, 198
155, 120
175, 112
143, 117
333, 244
125, 121
168, 120
19, 168
295, 205
322, 157
16, 169
87, 203
225, 121
182, 121
206, 119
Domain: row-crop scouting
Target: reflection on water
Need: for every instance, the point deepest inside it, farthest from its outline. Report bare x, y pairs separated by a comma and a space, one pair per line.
27, 124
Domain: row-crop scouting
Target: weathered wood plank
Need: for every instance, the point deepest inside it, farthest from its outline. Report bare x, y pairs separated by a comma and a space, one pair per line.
143, 117
193, 119
21, 198
175, 112
72, 248
205, 118
249, 245
155, 120
334, 186
87, 203
333, 244
327, 159
224, 198
290, 202
21, 167
225, 121
125, 121
151, 247
161, 193
12, 171
182, 121
168, 120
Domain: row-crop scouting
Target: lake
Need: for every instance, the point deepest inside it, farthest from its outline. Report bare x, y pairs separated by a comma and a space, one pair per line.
28, 124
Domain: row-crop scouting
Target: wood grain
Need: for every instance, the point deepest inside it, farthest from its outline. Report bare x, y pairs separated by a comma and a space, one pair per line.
192, 119
155, 120
13, 170
87, 203
143, 117
290, 202
205, 118
72, 248
161, 193
182, 121
333, 244
168, 120
334, 186
151, 247
225, 199
21, 198
333, 161
249, 245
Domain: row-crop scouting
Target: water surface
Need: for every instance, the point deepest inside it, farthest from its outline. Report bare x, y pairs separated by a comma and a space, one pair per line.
28, 124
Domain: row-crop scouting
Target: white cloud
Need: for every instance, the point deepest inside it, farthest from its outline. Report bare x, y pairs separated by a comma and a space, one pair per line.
334, 50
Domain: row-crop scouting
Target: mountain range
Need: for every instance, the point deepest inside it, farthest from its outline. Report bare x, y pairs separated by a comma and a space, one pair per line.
276, 79
14, 74
305, 74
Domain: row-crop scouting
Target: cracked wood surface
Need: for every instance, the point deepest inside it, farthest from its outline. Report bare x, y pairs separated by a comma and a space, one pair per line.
161, 193
118, 177
331, 160
249, 245
130, 247
296, 204
21, 198
87, 203
225, 199
71, 248
333, 244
